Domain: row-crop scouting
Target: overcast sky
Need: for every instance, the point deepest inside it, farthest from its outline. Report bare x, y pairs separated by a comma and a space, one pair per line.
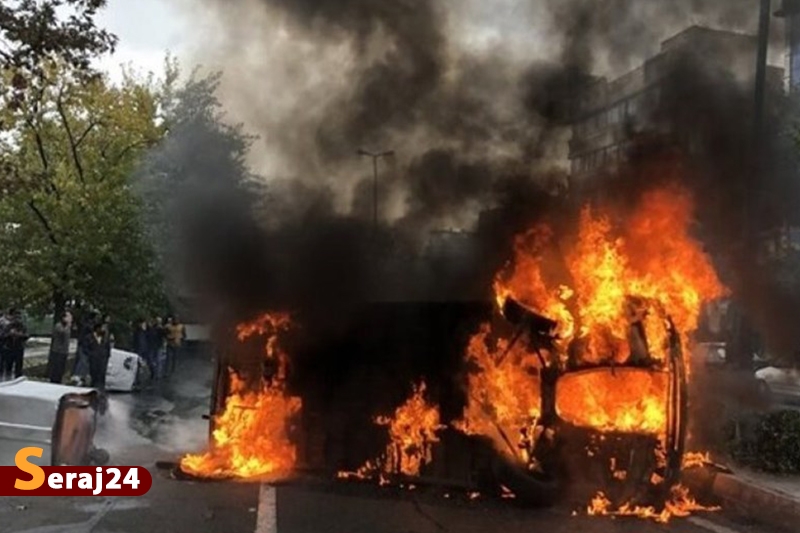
147, 30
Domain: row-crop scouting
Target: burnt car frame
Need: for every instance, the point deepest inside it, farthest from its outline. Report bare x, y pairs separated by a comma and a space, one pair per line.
563, 457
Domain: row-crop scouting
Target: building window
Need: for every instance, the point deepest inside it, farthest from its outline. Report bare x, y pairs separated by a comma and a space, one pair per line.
794, 51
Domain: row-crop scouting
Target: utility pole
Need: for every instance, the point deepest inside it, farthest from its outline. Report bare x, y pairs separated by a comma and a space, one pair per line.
375, 157
752, 195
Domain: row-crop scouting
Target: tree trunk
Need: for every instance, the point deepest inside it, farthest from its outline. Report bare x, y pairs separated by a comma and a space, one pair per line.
59, 304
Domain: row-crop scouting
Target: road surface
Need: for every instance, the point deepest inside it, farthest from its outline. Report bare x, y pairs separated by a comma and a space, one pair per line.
158, 425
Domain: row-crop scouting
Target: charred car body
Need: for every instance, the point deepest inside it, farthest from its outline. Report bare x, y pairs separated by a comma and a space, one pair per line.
568, 449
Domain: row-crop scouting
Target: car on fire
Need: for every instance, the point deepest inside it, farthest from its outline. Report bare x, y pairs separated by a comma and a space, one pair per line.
586, 436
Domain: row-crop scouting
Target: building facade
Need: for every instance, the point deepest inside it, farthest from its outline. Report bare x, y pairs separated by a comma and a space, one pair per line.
790, 10
609, 114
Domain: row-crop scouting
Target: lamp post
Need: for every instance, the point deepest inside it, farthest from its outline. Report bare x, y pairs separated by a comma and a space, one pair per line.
375, 156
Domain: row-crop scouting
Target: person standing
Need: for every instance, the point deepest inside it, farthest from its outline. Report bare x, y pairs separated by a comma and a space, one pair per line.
176, 334
5, 348
140, 339
59, 348
96, 350
18, 337
155, 342
80, 369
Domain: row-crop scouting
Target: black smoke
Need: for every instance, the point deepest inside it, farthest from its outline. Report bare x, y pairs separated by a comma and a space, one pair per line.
480, 140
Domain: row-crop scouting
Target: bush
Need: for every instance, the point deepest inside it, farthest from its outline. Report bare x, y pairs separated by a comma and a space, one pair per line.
770, 442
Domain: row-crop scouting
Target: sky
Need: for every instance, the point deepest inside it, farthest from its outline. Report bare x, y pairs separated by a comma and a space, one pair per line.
147, 30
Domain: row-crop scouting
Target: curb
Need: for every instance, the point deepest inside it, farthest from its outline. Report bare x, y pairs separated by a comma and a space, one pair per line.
769, 506
746, 498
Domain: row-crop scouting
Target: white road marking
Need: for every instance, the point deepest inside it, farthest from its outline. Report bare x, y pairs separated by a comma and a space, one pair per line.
267, 518
711, 526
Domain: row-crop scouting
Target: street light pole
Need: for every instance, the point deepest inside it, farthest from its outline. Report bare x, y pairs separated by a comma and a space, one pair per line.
375, 157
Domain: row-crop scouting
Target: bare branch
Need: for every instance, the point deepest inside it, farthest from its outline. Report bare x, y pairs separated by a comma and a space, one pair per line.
47, 227
138, 144
86, 132
73, 145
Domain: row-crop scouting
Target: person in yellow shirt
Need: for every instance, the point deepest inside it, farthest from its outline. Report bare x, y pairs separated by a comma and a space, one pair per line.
176, 334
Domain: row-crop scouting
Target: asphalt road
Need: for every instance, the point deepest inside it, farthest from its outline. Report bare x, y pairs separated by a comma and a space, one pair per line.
187, 507
158, 425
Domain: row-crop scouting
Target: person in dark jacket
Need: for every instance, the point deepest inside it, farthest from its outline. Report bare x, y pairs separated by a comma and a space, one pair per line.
80, 370
108, 337
156, 335
96, 350
140, 343
17, 338
59, 348
5, 353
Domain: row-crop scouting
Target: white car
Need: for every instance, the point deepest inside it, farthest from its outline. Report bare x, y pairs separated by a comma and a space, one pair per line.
59, 419
781, 384
124, 371
709, 353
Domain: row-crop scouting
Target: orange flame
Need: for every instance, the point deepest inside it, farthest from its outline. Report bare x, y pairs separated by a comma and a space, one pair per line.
503, 396
611, 276
622, 399
680, 504
696, 459
413, 430
251, 439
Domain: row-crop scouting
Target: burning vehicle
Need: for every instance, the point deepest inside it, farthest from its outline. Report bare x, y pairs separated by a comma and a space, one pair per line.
595, 398
576, 388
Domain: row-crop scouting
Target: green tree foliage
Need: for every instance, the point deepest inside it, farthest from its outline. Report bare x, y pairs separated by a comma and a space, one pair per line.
770, 442
35, 31
70, 224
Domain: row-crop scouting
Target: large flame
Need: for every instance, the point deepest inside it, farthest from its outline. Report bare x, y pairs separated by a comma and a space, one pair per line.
622, 399
250, 437
504, 397
646, 263
616, 288
613, 272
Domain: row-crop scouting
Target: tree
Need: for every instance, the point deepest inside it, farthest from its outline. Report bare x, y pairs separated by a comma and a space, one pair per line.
70, 223
32, 31
201, 162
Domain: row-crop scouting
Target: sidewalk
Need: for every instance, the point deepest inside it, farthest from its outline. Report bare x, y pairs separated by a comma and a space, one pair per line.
772, 500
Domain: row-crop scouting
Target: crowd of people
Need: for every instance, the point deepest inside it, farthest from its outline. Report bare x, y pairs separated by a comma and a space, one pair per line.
156, 341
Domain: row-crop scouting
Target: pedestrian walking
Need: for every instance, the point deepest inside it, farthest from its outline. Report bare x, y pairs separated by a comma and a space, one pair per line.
176, 335
59, 348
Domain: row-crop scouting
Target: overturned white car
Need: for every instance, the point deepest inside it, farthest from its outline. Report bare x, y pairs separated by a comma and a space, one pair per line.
126, 371
57, 418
